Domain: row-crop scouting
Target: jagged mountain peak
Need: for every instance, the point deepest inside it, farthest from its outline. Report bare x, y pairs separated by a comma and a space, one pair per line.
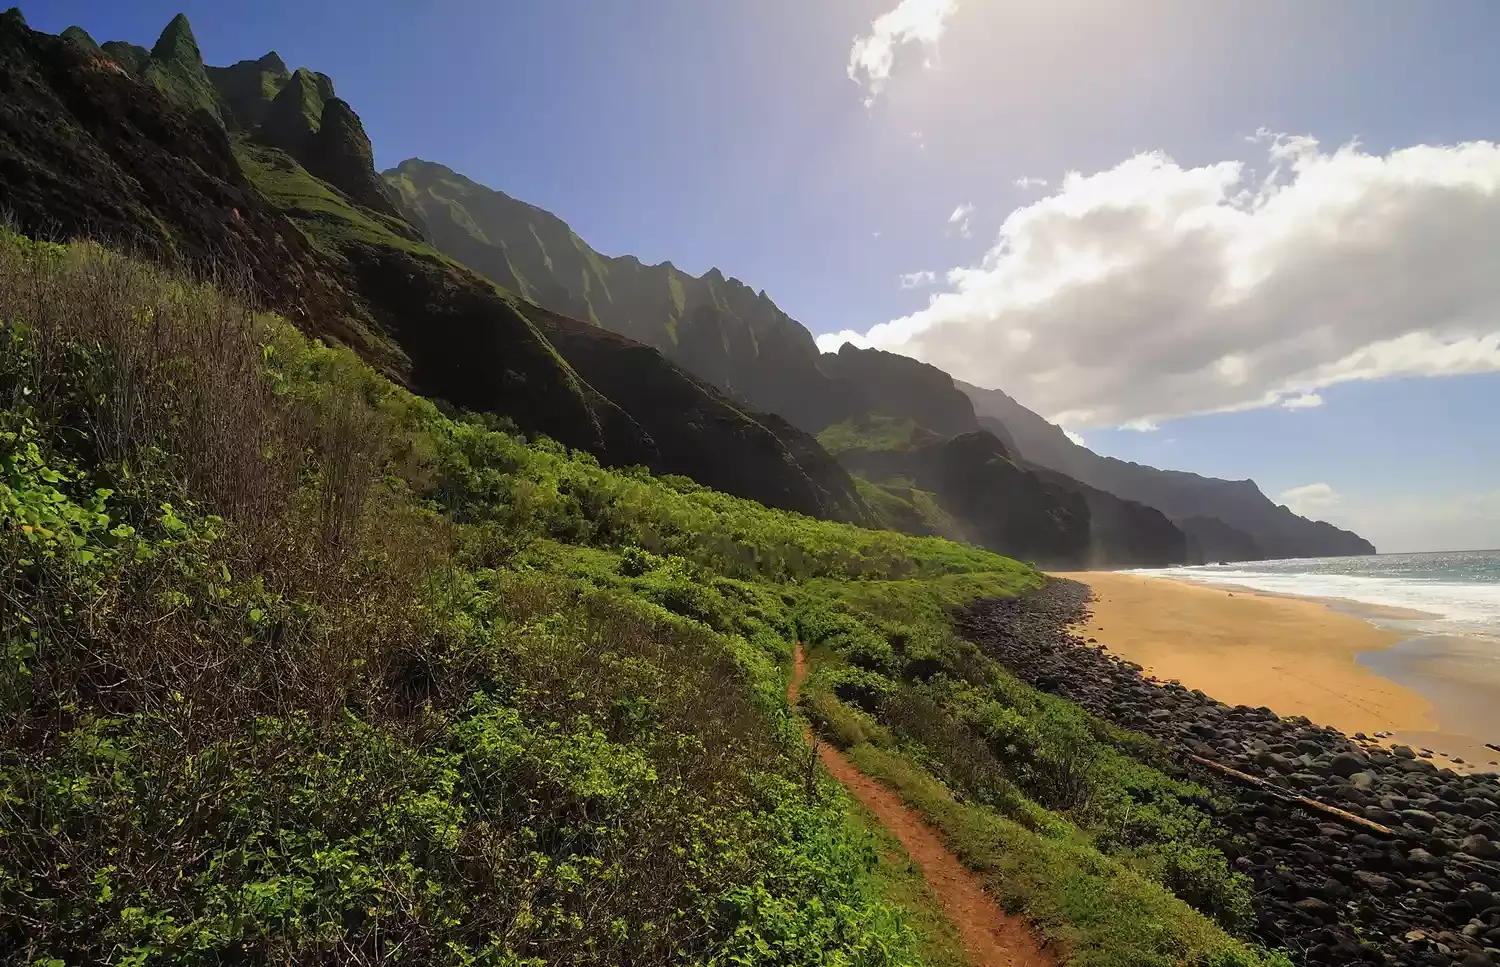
271, 61
177, 43
79, 36
176, 68
297, 109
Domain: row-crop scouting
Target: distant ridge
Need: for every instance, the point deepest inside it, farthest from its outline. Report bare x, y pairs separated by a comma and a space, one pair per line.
736, 338
1226, 519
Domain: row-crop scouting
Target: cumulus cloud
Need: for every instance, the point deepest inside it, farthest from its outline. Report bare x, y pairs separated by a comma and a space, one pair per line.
1302, 401
1075, 437
913, 280
1151, 290
1026, 182
962, 219
873, 56
1310, 500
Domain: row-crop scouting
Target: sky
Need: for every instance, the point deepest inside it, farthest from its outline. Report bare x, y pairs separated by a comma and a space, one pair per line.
1248, 239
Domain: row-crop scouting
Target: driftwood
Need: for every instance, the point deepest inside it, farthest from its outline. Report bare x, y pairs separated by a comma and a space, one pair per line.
1332, 812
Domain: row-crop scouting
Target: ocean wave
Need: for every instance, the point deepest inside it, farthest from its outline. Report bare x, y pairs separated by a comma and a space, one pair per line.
1456, 607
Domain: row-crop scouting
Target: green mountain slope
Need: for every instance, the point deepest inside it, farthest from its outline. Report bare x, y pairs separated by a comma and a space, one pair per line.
299, 669
176, 67
293, 201
718, 328
739, 340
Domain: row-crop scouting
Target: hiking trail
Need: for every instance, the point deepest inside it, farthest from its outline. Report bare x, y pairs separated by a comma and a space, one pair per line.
992, 937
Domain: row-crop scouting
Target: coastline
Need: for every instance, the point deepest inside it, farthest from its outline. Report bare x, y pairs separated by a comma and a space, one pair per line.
1296, 656
1358, 853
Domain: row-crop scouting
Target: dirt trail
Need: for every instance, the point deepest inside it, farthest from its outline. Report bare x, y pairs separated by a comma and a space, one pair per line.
992, 937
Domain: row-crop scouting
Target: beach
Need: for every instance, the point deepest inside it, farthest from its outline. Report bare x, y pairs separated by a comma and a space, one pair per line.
1359, 853
1294, 656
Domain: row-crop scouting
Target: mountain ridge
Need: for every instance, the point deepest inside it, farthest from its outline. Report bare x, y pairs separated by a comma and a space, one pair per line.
93, 147
1254, 519
721, 338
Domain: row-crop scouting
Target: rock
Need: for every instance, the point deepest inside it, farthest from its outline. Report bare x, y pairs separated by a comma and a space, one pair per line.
1404, 751
1317, 909
1274, 760
1419, 819
1477, 958
1346, 764
1480, 846
1373, 881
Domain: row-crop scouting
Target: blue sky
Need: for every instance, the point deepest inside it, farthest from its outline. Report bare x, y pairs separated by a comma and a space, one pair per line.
732, 134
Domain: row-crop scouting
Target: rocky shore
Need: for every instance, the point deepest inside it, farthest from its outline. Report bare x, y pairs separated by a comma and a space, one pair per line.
1330, 891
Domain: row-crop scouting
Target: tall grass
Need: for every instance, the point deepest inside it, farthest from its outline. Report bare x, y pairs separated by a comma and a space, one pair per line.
296, 667
265, 698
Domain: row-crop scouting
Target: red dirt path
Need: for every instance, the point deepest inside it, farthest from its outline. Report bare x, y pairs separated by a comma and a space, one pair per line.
992, 937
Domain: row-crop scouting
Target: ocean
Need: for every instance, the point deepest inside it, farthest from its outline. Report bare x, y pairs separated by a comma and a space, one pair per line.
1449, 653
1457, 591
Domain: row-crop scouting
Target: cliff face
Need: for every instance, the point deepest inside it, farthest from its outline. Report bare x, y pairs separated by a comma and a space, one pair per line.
738, 340
716, 327
982, 495
269, 173
1248, 521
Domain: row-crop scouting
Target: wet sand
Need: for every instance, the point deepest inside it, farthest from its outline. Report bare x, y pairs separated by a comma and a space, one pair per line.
1461, 678
1296, 656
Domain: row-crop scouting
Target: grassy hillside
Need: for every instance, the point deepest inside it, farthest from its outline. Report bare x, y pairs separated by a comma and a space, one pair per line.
875, 432
298, 667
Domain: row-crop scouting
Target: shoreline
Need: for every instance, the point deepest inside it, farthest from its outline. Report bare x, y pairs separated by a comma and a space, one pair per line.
1338, 662
1358, 853
1296, 656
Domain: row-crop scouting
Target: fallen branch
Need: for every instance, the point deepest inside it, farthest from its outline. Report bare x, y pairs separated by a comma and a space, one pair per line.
1292, 797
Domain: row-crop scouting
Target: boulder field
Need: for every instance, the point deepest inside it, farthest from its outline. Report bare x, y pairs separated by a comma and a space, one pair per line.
1417, 884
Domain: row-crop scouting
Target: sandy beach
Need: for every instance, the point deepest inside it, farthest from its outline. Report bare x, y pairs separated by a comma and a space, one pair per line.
1295, 656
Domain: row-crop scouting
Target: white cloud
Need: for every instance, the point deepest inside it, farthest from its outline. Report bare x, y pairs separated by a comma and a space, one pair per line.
1026, 182
912, 280
1429, 522
1075, 437
873, 55
1150, 290
1310, 500
1140, 426
963, 218
1302, 401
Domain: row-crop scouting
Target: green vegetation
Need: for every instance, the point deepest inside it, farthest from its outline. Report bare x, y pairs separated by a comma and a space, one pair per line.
327, 218
1104, 853
899, 879
80, 36
898, 505
295, 666
875, 432
1099, 910
297, 108
176, 68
